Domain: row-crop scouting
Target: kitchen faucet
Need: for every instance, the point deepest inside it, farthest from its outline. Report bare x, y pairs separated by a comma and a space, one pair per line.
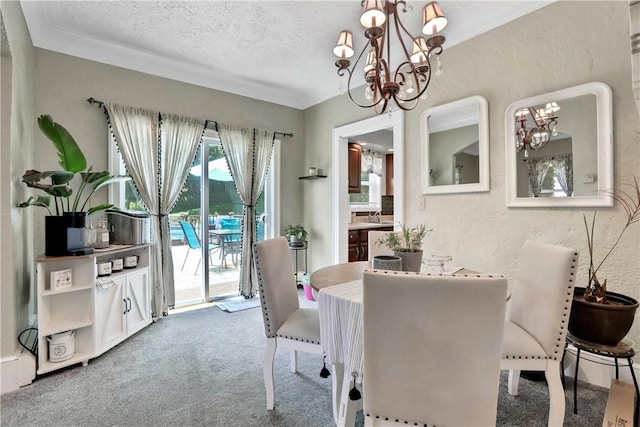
374, 218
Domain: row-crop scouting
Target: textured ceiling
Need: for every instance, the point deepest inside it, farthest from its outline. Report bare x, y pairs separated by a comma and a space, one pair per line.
278, 51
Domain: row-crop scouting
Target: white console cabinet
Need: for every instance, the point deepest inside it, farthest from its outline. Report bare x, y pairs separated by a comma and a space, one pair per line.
101, 311
123, 307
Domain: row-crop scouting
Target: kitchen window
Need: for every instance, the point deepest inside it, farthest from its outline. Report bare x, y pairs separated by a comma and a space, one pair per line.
369, 198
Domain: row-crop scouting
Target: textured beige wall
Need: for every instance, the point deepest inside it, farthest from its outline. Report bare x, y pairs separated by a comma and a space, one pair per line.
541, 52
63, 83
15, 257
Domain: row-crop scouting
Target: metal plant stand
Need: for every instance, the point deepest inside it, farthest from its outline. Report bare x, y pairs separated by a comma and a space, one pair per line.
624, 350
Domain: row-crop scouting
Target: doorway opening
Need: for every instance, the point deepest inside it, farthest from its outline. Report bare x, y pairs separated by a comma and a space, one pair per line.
340, 201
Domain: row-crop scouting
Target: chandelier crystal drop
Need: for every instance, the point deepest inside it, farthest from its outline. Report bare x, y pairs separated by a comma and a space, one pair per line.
543, 127
405, 83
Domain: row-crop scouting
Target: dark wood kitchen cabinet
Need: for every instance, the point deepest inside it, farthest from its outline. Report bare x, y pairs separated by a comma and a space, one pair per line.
389, 177
355, 162
359, 243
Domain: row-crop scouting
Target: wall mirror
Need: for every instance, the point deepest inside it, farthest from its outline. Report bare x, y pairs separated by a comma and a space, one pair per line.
559, 148
455, 147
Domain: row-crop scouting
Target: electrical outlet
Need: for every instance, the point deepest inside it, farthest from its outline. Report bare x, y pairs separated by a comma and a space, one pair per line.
421, 204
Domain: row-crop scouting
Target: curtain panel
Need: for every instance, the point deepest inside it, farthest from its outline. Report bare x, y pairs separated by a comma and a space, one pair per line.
157, 151
562, 169
248, 153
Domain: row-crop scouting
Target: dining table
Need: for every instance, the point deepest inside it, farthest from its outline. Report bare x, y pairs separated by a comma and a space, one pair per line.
339, 292
229, 241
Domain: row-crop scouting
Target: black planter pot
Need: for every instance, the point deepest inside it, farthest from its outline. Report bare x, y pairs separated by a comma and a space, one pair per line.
605, 324
64, 235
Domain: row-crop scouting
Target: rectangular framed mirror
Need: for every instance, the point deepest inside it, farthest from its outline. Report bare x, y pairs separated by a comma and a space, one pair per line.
559, 148
455, 147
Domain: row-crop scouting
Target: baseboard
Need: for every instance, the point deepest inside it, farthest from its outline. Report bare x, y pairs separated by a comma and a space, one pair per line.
597, 370
17, 371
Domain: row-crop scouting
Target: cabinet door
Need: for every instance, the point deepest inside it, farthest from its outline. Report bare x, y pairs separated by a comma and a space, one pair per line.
355, 159
138, 301
354, 246
110, 326
364, 245
389, 178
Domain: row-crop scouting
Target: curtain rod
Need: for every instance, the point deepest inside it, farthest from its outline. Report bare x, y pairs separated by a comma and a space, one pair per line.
100, 104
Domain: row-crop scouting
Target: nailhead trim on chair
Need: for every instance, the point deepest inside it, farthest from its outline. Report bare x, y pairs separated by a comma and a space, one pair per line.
263, 305
414, 273
298, 339
567, 310
399, 421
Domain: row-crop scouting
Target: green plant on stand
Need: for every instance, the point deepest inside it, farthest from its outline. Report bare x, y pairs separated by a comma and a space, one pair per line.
296, 234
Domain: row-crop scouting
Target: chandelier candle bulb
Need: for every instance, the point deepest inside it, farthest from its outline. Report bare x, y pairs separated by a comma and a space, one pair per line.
373, 15
344, 46
433, 20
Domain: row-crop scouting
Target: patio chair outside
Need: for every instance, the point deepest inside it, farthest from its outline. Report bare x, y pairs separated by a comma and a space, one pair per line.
194, 243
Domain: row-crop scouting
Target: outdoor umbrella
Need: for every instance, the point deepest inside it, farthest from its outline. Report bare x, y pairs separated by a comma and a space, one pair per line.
218, 170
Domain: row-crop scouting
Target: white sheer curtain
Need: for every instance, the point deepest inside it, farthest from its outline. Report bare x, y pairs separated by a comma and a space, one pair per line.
157, 156
179, 141
248, 152
563, 170
537, 169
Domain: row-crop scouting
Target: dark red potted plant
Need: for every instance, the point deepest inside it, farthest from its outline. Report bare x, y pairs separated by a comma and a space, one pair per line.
598, 315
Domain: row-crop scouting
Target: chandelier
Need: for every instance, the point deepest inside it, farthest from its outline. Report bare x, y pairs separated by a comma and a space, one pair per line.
406, 83
545, 121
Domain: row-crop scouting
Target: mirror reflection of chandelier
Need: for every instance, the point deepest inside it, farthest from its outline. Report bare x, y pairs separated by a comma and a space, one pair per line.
545, 123
371, 162
407, 83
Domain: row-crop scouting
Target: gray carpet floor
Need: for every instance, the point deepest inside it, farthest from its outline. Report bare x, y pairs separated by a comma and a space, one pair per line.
204, 368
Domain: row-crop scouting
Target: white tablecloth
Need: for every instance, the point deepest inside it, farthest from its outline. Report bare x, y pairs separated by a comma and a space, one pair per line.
341, 329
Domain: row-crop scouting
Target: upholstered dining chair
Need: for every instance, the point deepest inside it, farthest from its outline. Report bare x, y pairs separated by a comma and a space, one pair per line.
432, 346
374, 248
537, 319
286, 324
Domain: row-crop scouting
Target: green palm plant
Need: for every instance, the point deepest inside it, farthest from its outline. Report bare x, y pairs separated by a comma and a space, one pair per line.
56, 184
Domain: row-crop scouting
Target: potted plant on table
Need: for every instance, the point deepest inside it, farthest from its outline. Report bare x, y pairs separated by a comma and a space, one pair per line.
407, 244
296, 234
599, 315
64, 227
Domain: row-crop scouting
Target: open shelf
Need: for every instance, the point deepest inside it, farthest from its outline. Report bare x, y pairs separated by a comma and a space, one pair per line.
64, 325
313, 177
73, 288
47, 366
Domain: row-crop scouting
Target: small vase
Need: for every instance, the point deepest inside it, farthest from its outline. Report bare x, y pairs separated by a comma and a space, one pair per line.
387, 262
411, 261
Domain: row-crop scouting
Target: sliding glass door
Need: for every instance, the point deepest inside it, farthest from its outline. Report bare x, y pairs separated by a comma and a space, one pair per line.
207, 266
